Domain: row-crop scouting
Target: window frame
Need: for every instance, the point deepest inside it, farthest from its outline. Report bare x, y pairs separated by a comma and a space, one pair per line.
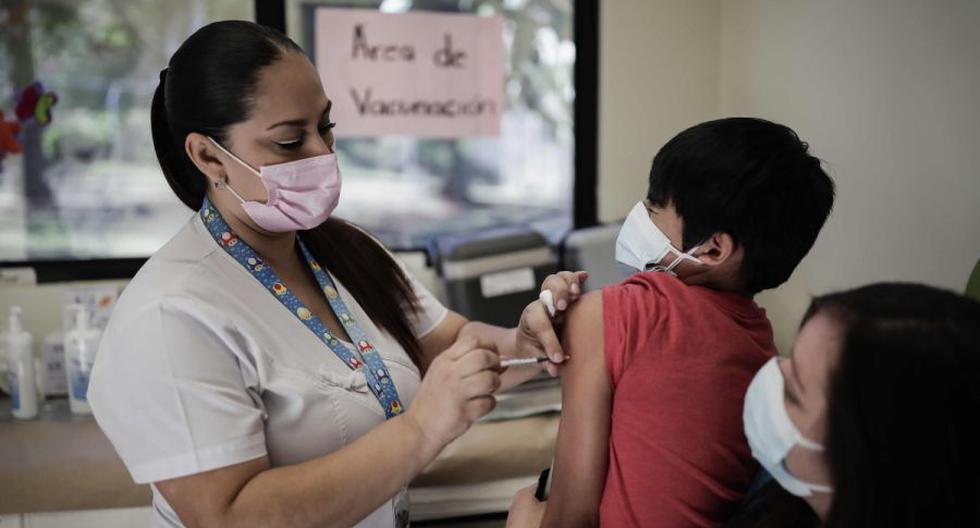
272, 13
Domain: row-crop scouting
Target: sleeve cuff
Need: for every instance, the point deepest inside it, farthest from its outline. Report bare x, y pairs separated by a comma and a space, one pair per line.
422, 332
200, 460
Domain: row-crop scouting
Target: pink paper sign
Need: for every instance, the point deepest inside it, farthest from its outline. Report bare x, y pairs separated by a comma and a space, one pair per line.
427, 75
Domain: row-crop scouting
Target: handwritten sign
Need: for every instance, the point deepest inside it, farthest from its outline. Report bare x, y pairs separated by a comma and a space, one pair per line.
429, 75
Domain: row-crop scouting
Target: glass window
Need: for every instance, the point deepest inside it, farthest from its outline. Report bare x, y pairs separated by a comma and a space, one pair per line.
406, 189
87, 184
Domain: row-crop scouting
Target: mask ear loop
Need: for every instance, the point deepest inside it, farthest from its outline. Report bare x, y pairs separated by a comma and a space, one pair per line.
689, 255
232, 191
806, 443
225, 183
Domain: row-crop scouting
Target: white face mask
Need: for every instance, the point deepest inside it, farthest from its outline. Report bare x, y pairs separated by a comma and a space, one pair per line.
641, 245
772, 434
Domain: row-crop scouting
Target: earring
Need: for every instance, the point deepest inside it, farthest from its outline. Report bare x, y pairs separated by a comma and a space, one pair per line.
220, 184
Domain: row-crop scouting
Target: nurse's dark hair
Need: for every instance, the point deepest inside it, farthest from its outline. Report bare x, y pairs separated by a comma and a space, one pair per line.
903, 438
209, 85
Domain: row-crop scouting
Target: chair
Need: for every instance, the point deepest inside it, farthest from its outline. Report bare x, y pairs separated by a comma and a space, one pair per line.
593, 249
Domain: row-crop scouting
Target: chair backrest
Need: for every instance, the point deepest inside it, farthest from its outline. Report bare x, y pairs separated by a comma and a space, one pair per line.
593, 249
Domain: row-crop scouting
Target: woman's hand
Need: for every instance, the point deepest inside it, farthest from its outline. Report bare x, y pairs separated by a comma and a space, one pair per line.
536, 334
343, 487
526, 510
565, 287
456, 391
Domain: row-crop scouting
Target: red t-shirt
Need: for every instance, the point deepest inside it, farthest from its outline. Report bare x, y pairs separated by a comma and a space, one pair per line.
680, 359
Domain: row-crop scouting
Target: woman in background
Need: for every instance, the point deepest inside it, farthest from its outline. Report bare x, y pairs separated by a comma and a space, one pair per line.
875, 419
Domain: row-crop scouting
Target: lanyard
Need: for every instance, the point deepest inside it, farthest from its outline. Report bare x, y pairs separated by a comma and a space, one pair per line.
369, 362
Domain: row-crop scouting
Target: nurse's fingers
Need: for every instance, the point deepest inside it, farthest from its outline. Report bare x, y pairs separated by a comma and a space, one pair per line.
560, 291
467, 344
477, 360
536, 324
565, 287
483, 383
553, 369
479, 407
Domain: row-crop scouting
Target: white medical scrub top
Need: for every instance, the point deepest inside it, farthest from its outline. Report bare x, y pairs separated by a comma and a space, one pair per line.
201, 367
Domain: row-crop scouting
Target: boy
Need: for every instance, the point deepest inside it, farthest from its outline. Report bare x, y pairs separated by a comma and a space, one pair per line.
651, 431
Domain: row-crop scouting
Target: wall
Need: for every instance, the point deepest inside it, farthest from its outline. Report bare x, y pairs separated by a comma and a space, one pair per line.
888, 93
885, 91
659, 68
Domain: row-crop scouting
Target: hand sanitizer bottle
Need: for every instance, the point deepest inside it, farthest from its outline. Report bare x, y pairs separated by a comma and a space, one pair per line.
81, 344
21, 367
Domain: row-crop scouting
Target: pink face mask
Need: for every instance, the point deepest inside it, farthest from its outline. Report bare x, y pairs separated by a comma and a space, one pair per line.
302, 193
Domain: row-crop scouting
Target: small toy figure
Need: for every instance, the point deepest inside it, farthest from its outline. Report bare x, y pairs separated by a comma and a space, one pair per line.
8, 139
35, 104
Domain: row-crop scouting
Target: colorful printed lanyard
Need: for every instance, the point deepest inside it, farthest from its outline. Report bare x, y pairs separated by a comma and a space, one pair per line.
376, 373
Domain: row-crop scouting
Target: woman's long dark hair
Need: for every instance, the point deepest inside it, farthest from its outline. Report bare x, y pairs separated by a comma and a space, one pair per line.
210, 85
903, 437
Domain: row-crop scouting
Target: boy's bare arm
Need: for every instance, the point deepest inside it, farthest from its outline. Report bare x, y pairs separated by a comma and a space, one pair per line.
581, 453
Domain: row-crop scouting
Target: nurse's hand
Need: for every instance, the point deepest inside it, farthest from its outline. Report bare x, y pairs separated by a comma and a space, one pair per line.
565, 288
526, 510
456, 391
537, 333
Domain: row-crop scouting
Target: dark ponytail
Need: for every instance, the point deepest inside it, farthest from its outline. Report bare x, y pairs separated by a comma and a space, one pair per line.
210, 85
184, 178
371, 275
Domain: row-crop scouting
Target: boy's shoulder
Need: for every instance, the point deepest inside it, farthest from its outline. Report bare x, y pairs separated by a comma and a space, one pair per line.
655, 294
650, 287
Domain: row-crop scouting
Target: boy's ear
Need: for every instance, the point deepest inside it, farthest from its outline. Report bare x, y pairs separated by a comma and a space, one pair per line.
717, 249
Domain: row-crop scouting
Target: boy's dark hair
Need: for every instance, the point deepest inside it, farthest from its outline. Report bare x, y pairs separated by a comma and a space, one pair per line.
903, 437
752, 179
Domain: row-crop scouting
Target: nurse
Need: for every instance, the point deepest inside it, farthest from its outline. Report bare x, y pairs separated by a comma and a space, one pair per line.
273, 365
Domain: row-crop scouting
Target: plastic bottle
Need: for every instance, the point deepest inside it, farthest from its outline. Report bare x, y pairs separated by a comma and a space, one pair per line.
81, 345
53, 364
21, 367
